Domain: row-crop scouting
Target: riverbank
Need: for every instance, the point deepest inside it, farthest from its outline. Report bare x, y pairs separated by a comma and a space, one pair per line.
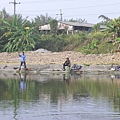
36, 57
54, 60
51, 62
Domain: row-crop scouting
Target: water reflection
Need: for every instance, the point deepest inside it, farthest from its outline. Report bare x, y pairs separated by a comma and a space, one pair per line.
22, 81
66, 78
60, 97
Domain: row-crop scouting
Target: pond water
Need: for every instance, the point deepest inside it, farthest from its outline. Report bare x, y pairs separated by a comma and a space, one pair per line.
60, 97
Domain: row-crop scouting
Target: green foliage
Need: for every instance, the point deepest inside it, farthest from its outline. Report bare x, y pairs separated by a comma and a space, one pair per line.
41, 20
98, 35
76, 20
77, 87
4, 14
94, 43
53, 26
51, 42
118, 40
96, 27
19, 36
113, 26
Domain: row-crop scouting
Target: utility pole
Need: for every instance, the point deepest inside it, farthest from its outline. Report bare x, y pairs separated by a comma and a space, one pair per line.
60, 14
14, 3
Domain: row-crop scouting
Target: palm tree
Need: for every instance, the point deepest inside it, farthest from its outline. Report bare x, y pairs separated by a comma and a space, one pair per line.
112, 31
113, 27
20, 37
104, 17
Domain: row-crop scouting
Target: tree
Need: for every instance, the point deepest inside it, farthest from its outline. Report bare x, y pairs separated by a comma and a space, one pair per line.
113, 27
104, 17
76, 20
41, 20
4, 14
53, 26
19, 36
112, 31
96, 27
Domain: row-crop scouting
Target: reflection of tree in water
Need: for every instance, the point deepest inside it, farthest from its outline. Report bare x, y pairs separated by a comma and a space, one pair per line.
55, 89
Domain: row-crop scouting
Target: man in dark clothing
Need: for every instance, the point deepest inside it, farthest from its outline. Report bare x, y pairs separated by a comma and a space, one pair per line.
66, 63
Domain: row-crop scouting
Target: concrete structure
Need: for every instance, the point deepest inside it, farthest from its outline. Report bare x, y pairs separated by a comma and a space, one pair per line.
67, 27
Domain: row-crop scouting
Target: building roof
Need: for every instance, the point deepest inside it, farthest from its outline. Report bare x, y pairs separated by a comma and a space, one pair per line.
78, 24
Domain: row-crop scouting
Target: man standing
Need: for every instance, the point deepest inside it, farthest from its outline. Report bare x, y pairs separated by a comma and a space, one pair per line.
22, 60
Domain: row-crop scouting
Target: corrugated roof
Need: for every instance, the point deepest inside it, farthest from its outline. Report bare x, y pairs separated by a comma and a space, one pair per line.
78, 24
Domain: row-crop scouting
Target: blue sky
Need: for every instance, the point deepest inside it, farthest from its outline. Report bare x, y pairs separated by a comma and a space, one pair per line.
76, 9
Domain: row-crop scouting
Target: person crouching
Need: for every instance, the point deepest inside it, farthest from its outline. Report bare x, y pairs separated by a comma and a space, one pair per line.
66, 63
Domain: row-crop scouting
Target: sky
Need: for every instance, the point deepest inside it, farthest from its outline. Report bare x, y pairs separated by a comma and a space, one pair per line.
89, 10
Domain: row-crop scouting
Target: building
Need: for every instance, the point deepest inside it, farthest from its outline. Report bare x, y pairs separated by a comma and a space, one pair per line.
68, 27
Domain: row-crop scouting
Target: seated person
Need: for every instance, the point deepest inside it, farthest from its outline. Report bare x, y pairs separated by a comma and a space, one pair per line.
66, 63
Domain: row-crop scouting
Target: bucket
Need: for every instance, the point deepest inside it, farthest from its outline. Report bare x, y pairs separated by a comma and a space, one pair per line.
67, 68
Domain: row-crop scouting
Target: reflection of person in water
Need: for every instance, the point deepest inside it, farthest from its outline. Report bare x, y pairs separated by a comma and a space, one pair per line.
66, 78
22, 82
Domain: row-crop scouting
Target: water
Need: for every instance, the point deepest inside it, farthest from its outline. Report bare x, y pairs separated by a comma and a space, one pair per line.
60, 97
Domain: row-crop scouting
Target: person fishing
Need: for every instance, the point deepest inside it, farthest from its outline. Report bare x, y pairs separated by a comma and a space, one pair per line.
22, 60
66, 63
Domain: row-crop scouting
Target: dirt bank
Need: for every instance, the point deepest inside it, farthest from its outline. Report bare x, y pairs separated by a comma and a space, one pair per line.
35, 58
53, 61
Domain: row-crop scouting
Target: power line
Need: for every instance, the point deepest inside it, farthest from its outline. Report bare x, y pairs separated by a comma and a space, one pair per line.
81, 7
33, 12
74, 8
94, 6
93, 14
14, 3
46, 1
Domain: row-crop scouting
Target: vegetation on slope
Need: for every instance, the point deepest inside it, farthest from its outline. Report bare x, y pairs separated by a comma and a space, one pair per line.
18, 34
